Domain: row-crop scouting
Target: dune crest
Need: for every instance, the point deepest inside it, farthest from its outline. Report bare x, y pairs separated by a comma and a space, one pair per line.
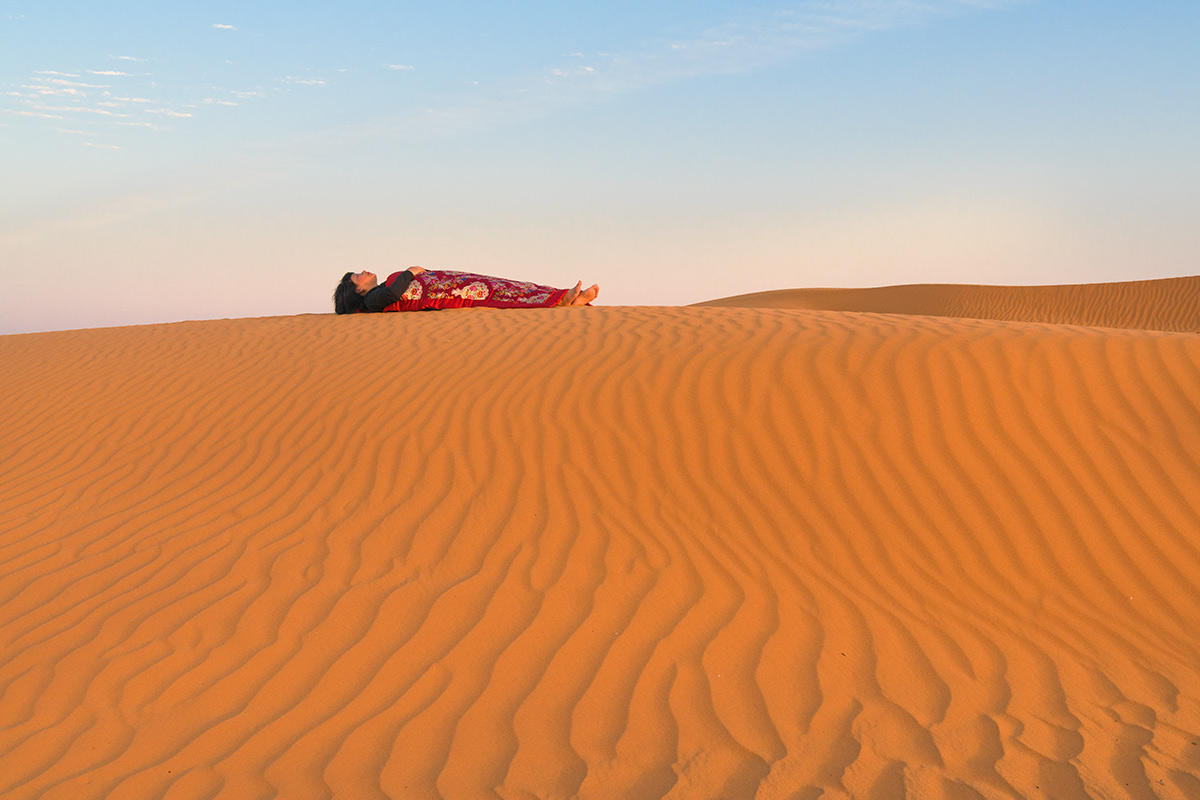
1166, 304
613, 552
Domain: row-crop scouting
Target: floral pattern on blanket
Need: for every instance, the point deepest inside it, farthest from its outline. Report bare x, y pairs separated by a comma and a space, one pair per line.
449, 289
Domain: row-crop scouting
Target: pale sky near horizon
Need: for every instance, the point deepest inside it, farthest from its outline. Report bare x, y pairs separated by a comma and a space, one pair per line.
163, 161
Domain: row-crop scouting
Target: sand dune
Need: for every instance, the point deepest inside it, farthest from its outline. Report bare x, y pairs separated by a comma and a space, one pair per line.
605, 553
1168, 304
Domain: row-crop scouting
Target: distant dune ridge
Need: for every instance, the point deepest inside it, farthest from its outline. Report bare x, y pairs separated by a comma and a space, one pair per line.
617, 552
1167, 304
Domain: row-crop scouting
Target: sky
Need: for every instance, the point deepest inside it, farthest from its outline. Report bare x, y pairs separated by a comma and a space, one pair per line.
173, 161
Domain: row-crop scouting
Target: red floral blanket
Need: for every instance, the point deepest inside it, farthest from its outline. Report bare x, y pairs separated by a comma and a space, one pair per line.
446, 289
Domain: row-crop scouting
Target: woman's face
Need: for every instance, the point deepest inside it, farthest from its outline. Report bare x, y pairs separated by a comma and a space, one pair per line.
364, 281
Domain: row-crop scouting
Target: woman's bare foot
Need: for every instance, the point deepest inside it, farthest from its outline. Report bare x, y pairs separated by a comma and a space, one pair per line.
569, 297
587, 295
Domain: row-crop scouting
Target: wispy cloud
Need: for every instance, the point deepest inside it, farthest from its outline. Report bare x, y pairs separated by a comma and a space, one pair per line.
41, 90
97, 107
149, 125
750, 41
24, 113
104, 112
76, 84
298, 81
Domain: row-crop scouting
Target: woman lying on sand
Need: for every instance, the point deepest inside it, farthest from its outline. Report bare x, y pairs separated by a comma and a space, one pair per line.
417, 289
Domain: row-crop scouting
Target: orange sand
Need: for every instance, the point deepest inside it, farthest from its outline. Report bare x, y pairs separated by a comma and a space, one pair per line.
606, 553
1169, 304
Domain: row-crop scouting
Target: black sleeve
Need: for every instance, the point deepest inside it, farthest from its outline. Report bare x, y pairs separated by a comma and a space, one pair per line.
381, 297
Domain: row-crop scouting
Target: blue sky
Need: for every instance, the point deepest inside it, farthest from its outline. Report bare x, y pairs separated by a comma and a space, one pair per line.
161, 162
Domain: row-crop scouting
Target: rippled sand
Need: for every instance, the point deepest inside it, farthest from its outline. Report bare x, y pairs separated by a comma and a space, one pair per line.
609, 553
1169, 304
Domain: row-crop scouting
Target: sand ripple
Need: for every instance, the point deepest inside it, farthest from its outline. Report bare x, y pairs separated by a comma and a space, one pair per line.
1167, 304
620, 552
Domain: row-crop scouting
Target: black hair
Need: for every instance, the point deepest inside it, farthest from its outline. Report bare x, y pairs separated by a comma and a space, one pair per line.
346, 299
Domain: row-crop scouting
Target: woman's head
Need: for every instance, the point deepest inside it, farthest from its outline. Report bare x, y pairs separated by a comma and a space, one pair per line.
348, 296
346, 299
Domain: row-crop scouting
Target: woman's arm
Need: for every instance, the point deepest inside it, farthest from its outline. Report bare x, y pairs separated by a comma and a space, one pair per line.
400, 285
384, 295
